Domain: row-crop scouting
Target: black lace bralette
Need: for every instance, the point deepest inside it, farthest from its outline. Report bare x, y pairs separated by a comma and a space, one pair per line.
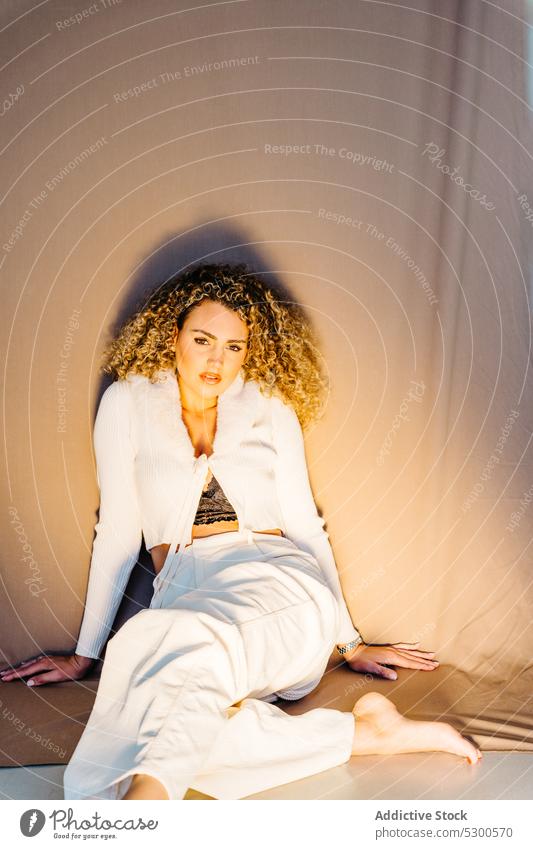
214, 506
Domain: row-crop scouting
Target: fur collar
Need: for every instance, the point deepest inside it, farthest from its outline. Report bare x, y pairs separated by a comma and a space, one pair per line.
160, 403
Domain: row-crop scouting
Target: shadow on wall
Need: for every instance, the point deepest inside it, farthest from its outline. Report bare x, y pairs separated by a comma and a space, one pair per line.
201, 243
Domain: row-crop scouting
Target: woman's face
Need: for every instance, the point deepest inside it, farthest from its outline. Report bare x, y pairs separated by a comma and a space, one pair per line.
210, 349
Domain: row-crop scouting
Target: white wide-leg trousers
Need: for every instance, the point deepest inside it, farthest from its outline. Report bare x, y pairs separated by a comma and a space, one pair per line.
243, 616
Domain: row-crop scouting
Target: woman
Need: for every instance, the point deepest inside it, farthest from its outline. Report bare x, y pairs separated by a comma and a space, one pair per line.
199, 448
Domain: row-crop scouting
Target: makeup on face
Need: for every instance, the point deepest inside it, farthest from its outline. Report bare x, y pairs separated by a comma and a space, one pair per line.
210, 350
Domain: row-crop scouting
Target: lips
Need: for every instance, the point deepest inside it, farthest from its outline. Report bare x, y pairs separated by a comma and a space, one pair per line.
210, 377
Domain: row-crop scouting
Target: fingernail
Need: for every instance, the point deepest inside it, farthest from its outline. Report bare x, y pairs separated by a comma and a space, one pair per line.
31, 683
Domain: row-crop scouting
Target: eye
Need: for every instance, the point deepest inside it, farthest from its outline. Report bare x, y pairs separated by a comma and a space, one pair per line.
235, 348
200, 340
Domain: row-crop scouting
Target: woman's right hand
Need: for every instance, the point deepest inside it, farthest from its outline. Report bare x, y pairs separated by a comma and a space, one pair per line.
52, 668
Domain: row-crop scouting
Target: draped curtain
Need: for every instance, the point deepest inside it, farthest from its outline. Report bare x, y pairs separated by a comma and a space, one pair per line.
372, 157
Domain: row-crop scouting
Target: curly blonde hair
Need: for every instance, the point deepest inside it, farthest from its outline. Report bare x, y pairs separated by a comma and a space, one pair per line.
282, 354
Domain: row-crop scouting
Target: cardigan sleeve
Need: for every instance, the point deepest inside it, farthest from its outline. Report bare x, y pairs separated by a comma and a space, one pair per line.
118, 537
303, 525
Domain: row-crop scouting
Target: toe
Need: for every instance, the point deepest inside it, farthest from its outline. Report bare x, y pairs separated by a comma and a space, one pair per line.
472, 753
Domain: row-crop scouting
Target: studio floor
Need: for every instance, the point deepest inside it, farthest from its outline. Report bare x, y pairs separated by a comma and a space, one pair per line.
500, 775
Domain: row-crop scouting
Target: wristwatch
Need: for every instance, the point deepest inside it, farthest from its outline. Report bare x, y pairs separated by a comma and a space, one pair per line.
346, 647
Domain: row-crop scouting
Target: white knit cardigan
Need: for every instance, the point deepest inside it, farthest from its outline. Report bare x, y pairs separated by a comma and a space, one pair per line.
150, 485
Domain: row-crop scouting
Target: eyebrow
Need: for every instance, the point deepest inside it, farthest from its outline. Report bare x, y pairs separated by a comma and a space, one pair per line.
197, 330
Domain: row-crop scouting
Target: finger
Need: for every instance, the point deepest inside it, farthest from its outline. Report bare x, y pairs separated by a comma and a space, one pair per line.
408, 662
385, 672
430, 660
22, 669
428, 657
36, 666
395, 657
415, 651
35, 659
423, 655
46, 678
412, 648
382, 671
20, 665
388, 655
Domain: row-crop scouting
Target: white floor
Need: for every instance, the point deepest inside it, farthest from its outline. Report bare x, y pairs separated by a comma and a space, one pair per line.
500, 775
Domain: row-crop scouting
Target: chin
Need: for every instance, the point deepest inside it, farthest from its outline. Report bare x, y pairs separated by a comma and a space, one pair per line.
207, 390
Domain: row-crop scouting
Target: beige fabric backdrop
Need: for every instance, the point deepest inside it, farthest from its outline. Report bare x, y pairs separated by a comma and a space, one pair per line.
140, 138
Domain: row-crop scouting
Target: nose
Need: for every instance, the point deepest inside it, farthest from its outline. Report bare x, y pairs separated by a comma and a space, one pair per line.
216, 357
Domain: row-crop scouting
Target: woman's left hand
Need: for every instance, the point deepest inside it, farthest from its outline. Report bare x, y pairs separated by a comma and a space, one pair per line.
377, 659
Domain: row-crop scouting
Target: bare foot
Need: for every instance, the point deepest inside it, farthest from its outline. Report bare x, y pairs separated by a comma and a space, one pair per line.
381, 730
145, 787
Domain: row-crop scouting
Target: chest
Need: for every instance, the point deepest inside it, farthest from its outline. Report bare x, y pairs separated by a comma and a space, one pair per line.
238, 433
201, 429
